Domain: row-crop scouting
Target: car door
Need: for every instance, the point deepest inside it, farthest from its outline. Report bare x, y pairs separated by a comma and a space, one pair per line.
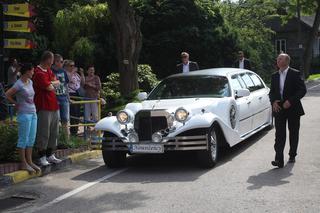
261, 102
255, 96
243, 105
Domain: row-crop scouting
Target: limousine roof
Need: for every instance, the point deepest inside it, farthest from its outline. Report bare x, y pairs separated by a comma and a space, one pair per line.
213, 71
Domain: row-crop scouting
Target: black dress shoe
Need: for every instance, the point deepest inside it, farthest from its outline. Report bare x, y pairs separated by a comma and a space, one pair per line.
292, 160
277, 163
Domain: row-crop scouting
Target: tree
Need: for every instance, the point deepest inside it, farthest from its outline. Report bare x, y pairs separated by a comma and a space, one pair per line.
83, 33
194, 26
247, 18
307, 55
128, 36
305, 7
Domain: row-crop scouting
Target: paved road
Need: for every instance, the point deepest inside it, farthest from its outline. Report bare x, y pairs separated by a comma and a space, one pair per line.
243, 181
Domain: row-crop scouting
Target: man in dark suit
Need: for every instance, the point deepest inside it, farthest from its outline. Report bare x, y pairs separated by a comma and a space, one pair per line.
186, 65
242, 62
287, 88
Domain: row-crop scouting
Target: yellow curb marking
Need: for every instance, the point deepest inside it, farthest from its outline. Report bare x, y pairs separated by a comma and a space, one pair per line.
81, 156
21, 175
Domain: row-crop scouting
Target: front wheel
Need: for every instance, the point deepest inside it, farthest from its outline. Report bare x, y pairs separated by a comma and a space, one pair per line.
114, 159
208, 158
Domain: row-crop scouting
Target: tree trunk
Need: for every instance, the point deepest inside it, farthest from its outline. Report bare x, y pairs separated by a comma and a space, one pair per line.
307, 56
128, 41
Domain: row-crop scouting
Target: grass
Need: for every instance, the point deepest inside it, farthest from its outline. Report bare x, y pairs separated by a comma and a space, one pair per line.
72, 142
314, 77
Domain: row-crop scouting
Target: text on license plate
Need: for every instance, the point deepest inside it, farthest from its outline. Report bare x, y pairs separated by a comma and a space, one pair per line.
146, 148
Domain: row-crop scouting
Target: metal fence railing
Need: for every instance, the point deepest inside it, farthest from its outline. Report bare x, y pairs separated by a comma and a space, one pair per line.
88, 134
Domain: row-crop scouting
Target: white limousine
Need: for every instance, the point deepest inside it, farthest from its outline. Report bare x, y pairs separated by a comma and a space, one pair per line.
201, 111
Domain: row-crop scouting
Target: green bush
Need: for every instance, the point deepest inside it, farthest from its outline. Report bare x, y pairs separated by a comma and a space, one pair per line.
9, 139
111, 89
8, 143
146, 78
83, 51
72, 142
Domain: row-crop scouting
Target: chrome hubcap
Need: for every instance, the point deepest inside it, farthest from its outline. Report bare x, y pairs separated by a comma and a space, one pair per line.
213, 145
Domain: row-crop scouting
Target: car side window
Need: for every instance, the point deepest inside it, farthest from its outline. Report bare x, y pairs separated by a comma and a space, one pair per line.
235, 83
257, 81
241, 82
247, 80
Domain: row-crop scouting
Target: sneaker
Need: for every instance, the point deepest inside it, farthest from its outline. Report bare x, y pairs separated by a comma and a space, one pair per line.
43, 161
53, 159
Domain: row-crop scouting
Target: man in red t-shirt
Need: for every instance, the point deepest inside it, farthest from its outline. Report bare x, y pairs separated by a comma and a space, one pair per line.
44, 83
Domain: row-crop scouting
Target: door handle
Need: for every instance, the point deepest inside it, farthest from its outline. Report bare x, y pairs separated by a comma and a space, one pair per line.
260, 98
249, 102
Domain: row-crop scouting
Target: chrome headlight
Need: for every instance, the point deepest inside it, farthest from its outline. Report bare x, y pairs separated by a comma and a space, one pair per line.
124, 116
157, 137
181, 114
133, 137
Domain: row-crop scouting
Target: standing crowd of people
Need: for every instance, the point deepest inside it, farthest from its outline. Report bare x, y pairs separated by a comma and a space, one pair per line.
42, 98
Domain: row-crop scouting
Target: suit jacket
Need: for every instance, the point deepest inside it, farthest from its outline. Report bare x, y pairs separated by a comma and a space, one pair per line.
246, 64
294, 89
193, 66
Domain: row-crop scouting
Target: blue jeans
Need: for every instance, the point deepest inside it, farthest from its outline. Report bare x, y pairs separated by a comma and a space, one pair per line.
64, 111
27, 129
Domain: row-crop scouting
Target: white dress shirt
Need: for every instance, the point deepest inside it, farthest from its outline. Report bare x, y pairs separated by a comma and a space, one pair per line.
283, 76
186, 67
241, 64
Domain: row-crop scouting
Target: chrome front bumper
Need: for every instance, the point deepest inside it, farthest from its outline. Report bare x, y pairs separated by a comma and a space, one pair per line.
180, 143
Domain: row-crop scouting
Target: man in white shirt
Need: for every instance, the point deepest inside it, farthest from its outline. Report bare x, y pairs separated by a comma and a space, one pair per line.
242, 62
186, 65
287, 88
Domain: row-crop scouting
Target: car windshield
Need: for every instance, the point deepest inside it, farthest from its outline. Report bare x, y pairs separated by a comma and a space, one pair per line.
191, 87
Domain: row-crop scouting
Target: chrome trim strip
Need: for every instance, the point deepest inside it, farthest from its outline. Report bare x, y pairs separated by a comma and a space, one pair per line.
174, 143
253, 114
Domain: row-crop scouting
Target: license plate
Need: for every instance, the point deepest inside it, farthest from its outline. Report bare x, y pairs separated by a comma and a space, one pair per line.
146, 148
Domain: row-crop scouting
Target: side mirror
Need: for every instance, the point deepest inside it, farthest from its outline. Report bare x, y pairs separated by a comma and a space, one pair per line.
142, 96
242, 93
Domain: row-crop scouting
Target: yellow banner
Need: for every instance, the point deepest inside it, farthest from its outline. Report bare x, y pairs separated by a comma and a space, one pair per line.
17, 43
17, 26
22, 10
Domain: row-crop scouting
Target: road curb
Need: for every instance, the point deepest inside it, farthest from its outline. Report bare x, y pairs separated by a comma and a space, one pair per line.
21, 175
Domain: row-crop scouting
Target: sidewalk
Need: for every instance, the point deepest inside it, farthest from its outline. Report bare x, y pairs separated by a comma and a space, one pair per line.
21, 175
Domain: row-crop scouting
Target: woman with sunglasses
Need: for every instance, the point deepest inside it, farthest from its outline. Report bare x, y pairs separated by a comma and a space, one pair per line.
75, 84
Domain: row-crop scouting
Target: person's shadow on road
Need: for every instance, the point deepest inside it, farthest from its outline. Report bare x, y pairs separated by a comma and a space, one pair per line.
273, 177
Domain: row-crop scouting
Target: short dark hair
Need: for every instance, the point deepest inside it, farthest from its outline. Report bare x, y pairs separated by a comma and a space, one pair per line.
91, 65
12, 60
57, 57
46, 55
25, 67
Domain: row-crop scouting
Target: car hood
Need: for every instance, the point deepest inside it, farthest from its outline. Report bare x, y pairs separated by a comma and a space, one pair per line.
193, 105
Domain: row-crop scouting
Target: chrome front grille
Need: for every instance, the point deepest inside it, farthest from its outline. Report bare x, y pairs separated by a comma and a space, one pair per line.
147, 122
